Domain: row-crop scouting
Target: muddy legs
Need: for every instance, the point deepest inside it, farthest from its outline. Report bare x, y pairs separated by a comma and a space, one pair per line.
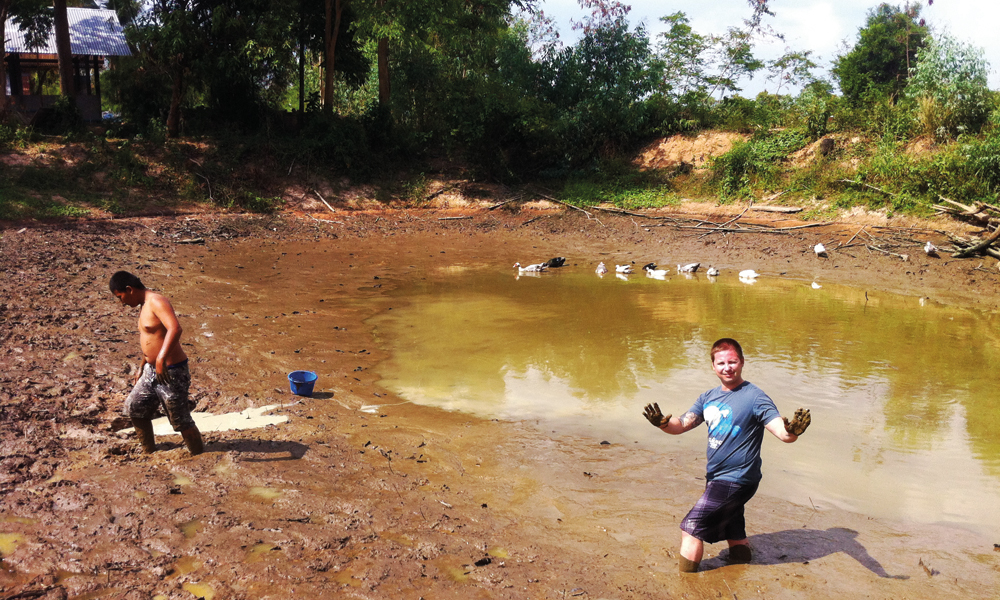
192, 439
144, 432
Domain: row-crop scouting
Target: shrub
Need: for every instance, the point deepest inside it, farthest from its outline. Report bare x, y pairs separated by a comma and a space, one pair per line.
753, 162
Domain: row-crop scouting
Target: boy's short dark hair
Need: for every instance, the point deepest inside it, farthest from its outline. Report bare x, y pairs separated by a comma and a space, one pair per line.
726, 344
124, 279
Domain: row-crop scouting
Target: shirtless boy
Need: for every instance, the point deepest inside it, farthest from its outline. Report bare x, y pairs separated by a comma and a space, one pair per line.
163, 375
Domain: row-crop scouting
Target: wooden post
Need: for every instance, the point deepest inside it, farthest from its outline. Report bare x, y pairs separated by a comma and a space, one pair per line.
97, 77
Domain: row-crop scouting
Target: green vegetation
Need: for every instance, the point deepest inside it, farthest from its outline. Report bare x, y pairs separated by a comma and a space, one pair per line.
405, 86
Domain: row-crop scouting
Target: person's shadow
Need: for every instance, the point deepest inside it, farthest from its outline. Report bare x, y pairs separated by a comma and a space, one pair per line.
802, 546
277, 450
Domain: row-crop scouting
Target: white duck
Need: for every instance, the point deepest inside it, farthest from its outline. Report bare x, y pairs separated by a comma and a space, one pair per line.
816, 286
601, 269
688, 268
625, 269
712, 272
819, 249
536, 268
652, 271
930, 249
749, 274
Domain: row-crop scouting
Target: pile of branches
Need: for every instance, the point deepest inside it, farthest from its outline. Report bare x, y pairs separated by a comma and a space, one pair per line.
985, 215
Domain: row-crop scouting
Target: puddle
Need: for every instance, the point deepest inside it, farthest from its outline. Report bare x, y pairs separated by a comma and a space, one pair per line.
265, 492
9, 542
259, 551
18, 520
180, 479
185, 565
190, 528
200, 590
250, 418
900, 389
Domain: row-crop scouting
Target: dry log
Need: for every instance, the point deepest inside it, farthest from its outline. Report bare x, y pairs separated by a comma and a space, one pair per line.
777, 209
980, 246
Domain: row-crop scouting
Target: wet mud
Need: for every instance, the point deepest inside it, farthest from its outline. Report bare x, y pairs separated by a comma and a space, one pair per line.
357, 494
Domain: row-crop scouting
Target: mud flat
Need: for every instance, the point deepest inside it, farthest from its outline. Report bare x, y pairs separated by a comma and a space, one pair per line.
406, 501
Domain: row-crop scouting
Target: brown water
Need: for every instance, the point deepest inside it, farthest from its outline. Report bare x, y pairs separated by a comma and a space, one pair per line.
906, 418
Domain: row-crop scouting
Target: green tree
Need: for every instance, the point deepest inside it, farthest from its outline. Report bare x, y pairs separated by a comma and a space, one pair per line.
878, 65
684, 56
950, 86
794, 68
598, 85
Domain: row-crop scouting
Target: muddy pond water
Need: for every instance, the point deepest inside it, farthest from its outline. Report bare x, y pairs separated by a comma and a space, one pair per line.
906, 416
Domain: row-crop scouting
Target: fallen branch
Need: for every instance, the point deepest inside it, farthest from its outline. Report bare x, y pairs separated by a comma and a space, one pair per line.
323, 200
905, 257
777, 209
589, 216
191, 241
209, 184
979, 246
454, 218
499, 204
731, 221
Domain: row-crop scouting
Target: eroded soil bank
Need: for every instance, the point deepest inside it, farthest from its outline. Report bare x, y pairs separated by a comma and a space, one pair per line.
405, 502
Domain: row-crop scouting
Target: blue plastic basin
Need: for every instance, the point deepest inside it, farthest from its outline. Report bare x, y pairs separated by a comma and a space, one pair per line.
302, 382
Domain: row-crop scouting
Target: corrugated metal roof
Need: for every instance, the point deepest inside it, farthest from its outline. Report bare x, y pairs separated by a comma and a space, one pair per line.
92, 31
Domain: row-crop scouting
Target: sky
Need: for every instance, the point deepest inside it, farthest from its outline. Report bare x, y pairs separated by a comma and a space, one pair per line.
818, 25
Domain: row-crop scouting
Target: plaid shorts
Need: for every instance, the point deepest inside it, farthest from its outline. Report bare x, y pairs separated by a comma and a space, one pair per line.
147, 395
718, 514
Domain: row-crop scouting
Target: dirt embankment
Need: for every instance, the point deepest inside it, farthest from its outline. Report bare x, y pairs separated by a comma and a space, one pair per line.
409, 502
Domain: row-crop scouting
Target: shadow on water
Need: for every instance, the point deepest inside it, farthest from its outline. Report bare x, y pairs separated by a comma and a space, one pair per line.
804, 545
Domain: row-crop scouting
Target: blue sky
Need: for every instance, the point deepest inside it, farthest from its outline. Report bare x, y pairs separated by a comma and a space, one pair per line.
818, 25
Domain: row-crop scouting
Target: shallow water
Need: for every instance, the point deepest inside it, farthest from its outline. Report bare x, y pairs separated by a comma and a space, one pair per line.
905, 415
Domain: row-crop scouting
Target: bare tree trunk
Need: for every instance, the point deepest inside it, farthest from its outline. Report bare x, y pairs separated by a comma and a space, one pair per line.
383, 67
334, 13
383, 71
174, 116
66, 83
4, 11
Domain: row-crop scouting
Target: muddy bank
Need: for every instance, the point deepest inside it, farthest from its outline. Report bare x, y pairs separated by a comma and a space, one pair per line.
406, 501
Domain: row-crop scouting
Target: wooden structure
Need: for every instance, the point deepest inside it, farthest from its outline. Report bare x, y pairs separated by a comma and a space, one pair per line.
95, 35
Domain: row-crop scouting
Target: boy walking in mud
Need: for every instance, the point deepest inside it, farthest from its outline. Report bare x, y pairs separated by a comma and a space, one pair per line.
737, 413
163, 376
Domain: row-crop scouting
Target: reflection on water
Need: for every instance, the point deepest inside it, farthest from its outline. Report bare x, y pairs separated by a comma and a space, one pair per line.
905, 416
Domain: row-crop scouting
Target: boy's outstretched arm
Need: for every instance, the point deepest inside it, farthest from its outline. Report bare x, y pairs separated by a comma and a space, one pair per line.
669, 424
789, 431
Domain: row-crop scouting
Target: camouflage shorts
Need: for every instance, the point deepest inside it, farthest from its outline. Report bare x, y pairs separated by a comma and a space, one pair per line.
147, 395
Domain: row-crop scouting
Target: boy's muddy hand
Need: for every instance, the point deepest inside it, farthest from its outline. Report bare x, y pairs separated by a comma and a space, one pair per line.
163, 378
799, 423
654, 416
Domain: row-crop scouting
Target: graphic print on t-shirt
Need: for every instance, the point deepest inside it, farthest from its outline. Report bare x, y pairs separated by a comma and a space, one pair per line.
719, 418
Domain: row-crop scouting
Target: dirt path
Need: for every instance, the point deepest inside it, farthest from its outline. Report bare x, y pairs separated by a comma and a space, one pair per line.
408, 502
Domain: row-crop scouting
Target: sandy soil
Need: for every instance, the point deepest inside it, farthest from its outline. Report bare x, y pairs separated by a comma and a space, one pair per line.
409, 502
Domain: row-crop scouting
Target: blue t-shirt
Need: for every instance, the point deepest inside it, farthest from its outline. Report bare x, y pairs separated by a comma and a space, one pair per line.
736, 423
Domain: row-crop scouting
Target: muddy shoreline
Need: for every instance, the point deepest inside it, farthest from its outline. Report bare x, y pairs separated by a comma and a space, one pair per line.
407, 502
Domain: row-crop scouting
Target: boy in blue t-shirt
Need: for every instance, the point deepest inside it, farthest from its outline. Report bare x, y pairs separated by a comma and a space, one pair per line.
737, 413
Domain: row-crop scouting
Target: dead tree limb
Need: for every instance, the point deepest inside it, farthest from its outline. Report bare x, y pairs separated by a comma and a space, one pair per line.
589, 216
979, 246
323, 200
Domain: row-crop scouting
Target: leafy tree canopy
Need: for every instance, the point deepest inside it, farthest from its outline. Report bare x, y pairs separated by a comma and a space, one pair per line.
879, 63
